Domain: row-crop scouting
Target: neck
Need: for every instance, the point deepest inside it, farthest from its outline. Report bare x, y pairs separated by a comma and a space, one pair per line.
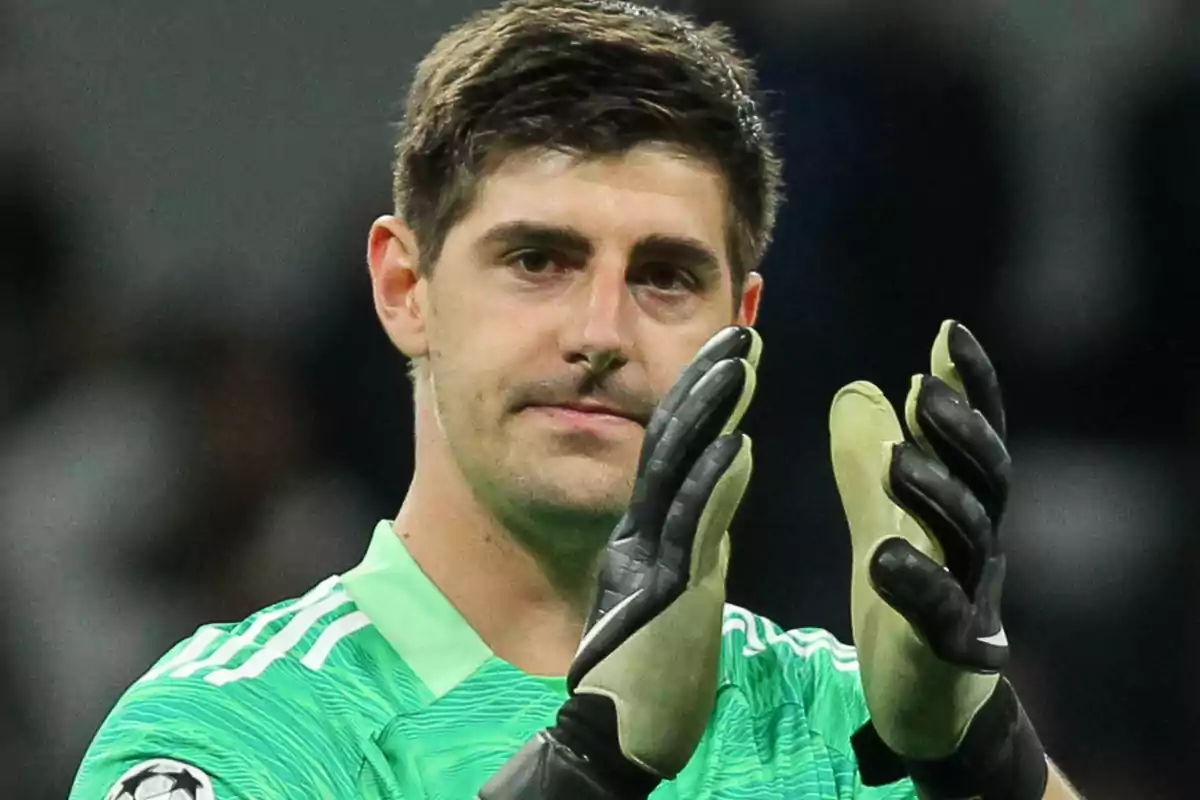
502, 591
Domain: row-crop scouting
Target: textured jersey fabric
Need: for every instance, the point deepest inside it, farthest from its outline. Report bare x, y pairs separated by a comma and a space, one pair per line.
372, 686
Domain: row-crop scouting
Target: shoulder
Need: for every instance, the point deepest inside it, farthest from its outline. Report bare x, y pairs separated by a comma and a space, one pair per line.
276, 655
805, 668
229, 697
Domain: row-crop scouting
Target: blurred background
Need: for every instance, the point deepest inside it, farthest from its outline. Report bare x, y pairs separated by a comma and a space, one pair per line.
199, 414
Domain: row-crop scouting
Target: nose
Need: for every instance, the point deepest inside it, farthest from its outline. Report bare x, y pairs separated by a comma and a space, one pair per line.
598, 329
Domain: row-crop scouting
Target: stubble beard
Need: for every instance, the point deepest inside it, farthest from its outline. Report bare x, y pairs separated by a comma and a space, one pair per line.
550, 510
542, 508
545, 514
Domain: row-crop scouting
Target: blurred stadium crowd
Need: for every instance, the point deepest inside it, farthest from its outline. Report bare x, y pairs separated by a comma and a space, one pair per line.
199, 415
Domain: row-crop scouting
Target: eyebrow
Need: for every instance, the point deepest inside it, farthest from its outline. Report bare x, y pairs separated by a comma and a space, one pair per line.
683, 250
523, 233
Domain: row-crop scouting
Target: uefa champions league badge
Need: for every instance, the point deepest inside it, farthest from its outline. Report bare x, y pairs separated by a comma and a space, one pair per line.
162, 779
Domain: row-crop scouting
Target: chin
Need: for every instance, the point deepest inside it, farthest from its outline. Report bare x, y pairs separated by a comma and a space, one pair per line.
586, 485
565, 509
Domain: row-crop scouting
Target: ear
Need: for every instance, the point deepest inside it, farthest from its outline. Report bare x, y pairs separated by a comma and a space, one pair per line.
751, 296
399, 288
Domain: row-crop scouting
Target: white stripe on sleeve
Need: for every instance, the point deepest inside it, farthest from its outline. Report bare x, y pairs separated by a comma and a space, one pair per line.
190, 651
235, 645
279, 644
354, 621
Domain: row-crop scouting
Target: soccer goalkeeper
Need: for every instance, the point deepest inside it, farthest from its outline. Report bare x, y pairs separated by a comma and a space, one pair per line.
583, 190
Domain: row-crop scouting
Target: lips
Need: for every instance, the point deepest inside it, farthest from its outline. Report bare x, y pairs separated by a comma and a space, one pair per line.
595, 411
584, 408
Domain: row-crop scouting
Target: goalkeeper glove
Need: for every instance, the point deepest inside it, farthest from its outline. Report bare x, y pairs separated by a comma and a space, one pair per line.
643, 683
928, 571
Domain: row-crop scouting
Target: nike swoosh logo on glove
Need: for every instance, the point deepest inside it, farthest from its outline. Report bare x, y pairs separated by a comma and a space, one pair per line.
998, 639
607, 619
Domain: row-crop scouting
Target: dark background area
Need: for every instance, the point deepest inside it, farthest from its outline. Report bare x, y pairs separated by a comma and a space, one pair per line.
199, 414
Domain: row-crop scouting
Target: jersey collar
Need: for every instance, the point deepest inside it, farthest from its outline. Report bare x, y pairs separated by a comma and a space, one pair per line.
423, 626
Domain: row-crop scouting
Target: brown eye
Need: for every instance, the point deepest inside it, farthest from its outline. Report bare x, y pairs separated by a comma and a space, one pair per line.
534, 262
666, 278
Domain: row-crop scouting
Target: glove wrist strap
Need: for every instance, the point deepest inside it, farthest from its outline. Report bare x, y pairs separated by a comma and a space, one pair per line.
545, 769
1000, 757
580, 758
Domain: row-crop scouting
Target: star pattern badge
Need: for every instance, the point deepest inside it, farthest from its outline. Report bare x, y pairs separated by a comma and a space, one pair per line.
162, 779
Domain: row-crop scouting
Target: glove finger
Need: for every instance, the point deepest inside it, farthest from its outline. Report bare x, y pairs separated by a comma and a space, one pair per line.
608, 630
627, 566
628, 593
932, 602
691, 549
945, 426
961, 361
627, 597
862, 428
701, 512
735, 341
704, 415
945, 508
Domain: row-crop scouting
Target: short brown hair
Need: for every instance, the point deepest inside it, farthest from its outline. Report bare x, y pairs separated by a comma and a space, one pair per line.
592, 77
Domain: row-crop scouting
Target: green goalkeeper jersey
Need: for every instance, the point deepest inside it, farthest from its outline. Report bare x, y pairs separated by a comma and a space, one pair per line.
372, 686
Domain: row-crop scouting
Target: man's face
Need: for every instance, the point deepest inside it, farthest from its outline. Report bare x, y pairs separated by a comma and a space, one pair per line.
573, 285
